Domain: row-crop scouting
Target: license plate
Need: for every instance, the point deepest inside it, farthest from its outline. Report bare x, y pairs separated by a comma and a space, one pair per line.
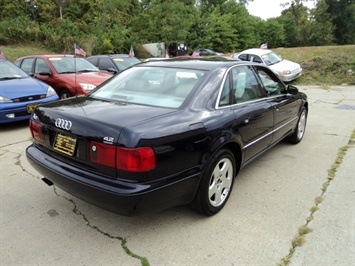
64, 144
31, 107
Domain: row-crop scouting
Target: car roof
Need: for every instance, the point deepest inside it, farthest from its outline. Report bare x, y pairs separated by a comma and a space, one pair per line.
110, 55
256, 51
200, 64
47, 55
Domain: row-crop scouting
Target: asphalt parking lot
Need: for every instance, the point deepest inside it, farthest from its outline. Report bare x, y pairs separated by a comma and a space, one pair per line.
272, 198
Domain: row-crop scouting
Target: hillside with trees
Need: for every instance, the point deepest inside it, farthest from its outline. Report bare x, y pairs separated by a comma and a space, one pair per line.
112, 26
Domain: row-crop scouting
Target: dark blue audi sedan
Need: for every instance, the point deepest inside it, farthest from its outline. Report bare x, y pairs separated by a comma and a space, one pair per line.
20, 93
165, 133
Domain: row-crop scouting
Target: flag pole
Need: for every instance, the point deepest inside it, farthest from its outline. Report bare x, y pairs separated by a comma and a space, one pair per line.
76, 90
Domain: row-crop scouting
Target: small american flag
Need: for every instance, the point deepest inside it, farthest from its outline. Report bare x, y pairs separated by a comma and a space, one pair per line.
2, 56
78, 50
167, 53
131, 51
263, 46
196, 53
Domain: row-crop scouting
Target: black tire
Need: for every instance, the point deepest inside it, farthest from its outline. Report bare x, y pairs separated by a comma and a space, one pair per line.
216, 183
64, 94
300, 129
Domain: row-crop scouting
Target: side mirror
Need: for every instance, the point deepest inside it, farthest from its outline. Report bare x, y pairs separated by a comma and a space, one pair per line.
111, 69
45, 73
292, 90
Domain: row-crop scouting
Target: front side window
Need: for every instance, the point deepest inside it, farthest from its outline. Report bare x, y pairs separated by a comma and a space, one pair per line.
105, 64
155, 86
272, 84
42, 66
256, 59
240, 86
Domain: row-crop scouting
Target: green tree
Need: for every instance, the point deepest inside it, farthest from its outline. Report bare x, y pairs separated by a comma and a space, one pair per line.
321, 32
342, 14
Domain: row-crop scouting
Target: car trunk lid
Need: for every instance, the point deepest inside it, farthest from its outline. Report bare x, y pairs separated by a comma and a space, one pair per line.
73, 129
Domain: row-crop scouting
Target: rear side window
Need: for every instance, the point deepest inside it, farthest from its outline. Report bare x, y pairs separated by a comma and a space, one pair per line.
243, 57
26, 65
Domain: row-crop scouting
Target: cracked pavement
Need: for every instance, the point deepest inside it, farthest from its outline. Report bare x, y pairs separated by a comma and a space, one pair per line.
271, 199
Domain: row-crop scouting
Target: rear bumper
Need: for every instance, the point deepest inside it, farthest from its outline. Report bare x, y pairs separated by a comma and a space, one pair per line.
122, 197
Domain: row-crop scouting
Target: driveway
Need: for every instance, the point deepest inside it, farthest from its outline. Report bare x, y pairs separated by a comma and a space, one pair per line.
308, 186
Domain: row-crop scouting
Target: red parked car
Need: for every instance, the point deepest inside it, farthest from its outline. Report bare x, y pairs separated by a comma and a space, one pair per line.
67, 74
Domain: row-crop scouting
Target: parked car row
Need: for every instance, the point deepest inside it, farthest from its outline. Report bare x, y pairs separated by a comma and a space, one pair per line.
22, 83
20, 93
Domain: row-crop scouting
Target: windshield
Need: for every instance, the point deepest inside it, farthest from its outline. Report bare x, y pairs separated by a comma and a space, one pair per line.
125, 62
68, 65
271, 58
10, 71
155, 86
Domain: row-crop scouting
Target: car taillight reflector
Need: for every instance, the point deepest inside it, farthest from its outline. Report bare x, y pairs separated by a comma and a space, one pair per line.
103, 154
135, 159
36, 131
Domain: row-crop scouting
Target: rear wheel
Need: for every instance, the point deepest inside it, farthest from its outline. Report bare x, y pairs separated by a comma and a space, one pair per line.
64, 94
298, 134
216, 183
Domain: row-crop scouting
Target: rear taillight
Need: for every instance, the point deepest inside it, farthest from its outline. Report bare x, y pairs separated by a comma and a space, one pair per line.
135, 160
36, 131
127, 159
103, 154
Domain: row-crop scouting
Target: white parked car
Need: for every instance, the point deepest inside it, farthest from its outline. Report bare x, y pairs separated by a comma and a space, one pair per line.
285, 69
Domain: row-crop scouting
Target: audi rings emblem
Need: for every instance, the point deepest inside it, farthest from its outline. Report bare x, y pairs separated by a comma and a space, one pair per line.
63, 124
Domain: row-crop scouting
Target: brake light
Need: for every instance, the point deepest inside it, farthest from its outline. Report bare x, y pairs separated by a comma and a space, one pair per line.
136, 159
36, 131
103, 154
128, 159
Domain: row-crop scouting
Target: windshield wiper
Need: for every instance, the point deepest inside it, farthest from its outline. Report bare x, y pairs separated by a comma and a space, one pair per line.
86, 70
67, 72
8, 78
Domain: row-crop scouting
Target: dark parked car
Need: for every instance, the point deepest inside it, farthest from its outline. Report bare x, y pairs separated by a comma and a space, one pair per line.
165, 133
20, 94
67, 74
113, 63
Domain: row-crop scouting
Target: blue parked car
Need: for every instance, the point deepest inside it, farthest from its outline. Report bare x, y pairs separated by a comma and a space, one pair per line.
20, 94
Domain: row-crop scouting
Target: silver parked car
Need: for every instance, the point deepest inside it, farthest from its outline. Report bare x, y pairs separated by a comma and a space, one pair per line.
285, 69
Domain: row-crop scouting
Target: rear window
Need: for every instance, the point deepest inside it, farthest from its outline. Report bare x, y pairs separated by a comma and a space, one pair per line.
155, 86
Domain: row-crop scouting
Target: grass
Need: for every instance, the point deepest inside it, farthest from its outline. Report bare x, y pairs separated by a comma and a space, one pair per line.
322, 65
